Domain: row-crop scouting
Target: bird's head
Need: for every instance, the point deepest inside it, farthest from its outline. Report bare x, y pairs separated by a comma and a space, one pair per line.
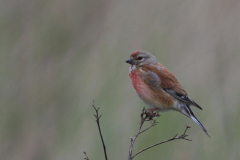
140, 58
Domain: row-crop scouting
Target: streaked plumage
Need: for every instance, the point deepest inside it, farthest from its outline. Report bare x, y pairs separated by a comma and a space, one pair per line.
158, 87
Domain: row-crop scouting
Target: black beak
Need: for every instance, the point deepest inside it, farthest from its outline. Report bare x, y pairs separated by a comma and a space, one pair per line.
130, 61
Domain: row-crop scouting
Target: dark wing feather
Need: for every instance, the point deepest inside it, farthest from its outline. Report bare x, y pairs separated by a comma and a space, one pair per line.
181, 97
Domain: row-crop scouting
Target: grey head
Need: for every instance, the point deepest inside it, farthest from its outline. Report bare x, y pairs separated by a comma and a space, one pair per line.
140, 58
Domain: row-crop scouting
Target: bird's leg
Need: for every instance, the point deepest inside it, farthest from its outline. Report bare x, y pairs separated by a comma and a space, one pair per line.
152, 112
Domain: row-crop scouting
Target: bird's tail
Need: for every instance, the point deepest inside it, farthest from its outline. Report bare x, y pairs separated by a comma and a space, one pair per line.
188, 112
200, 124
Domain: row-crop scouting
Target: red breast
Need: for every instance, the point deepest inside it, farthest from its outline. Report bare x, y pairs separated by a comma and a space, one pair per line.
150, 96
136, 81
140, 87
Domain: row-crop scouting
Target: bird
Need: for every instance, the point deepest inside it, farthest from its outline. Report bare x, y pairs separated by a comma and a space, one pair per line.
159, 88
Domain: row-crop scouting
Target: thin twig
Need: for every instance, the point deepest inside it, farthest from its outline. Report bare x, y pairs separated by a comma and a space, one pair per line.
98, 124
86, 156
144, 117
153, 123
174, 138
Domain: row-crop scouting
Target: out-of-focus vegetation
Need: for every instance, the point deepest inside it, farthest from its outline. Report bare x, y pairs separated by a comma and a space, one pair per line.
57, 56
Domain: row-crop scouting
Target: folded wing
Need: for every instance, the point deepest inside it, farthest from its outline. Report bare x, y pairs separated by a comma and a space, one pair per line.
160, 78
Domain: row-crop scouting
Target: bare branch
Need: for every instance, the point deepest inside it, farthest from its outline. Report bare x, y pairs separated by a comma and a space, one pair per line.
144, 117
174, 138
153, 123
86, 156
100, 132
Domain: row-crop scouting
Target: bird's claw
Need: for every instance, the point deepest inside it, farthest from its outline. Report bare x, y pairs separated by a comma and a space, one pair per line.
150, 114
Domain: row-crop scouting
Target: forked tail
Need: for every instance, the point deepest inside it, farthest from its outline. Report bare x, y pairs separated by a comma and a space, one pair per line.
188, 112
200, 124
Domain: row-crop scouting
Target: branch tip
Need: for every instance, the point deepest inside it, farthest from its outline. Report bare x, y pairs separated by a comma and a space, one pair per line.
99, 129
86, 156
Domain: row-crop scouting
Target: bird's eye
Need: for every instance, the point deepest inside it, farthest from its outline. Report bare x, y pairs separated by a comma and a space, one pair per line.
140, 58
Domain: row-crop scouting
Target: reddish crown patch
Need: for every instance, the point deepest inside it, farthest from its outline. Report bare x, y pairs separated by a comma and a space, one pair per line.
135, 53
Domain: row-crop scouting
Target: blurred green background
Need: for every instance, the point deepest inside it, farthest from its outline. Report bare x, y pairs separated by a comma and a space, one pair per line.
56, 56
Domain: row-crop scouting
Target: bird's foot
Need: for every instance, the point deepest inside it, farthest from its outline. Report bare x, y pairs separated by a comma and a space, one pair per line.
151, 113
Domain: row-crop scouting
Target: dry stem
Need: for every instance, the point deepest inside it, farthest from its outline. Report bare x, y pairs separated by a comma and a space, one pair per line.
100, 132
86, 156
145, 117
